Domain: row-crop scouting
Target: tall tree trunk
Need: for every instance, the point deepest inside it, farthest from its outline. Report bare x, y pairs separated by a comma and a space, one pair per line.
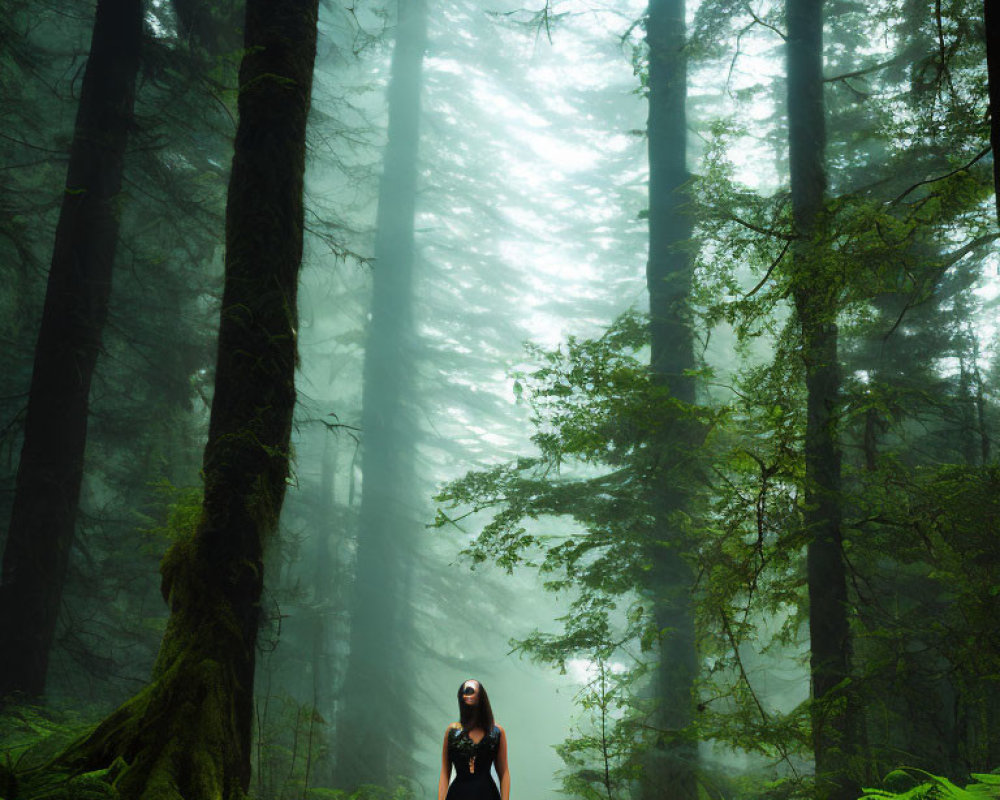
991, 21
324, 634
187, 735
834, 728
374, 690
673, 762
47, 491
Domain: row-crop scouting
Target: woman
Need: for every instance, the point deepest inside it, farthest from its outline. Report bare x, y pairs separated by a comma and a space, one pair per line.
472, 746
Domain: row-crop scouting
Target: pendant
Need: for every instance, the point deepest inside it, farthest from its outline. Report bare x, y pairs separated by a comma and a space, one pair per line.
472, 764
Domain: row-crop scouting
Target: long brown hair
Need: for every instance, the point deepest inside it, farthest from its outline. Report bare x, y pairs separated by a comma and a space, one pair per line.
479, 715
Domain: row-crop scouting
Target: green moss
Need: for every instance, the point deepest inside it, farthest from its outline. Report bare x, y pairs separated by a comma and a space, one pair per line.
90, 786
178, 739
56, 785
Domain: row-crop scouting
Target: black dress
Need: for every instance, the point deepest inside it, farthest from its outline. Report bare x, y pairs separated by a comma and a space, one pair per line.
472, 762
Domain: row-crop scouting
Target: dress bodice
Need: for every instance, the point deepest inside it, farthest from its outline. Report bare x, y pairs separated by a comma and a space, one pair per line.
471, 759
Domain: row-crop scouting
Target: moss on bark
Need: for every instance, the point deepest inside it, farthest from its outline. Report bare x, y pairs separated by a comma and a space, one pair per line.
182, 736
187, 734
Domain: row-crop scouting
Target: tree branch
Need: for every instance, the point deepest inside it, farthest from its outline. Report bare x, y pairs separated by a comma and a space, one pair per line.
866, 71
982, 153
764, 24
759, 229
770, 269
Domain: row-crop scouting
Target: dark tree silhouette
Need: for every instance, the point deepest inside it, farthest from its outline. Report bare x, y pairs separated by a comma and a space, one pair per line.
187, 734
815, 296
991, 21
47, 490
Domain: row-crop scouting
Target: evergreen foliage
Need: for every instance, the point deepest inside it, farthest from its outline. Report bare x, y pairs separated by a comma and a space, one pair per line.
899, 260
597, 471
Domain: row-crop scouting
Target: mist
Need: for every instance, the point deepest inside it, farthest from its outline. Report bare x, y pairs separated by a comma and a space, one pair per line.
635, 360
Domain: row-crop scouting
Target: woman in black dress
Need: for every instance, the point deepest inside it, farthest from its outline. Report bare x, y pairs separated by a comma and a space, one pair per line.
472, 746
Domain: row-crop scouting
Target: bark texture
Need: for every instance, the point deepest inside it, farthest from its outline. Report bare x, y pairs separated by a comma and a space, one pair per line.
187, 735
374, 686
834, 729
47, 490
673, 762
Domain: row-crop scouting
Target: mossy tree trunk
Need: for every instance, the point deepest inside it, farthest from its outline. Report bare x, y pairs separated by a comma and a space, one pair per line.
814, 289
375, 688
47, 490
673, 760
187, 735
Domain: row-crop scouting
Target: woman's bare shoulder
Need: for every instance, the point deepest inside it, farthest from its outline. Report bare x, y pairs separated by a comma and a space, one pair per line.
454, 726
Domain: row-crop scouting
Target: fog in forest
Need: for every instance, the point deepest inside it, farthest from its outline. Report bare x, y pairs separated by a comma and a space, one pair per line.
635, 359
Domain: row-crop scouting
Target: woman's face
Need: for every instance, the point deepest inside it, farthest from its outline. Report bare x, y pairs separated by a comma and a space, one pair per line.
470, 693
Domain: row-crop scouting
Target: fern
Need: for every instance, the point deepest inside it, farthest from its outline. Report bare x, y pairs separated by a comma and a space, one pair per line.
936, 787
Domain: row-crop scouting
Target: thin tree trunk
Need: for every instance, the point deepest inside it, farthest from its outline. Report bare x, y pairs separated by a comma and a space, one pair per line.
374, 687
323, 674
50, 470
673, 762
991, 21
834, 728
187, 735
984, 431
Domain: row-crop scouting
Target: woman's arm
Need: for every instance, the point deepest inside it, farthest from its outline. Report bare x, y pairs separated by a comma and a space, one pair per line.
445, 768
503, 772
